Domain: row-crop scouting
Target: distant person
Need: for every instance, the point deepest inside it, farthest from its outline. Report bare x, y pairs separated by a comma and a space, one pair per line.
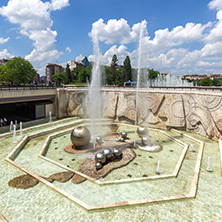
1, 122
5, 121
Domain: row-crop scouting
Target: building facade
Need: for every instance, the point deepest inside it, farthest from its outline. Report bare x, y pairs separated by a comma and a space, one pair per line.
73, 64
52, 69
3, 61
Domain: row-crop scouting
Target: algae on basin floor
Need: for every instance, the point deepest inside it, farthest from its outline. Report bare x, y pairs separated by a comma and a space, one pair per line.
40, 203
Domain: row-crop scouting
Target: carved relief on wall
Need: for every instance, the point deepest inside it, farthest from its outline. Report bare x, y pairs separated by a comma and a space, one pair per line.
189, 111
71, 103
110, 105
210, 102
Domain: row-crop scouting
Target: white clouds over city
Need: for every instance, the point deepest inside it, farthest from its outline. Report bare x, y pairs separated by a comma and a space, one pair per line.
33, 18
168, 49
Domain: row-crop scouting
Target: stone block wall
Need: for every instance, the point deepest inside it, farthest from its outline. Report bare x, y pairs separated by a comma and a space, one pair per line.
192, 110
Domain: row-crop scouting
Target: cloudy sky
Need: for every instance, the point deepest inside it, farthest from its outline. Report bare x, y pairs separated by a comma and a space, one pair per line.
178, 36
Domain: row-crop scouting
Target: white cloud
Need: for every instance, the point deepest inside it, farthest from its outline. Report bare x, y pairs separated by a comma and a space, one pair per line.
40, 59
215, 33
215, 4
115, 31
80, 58
5, 54
2, 40
33, 18
33, 14
213, 50
58, 4
68, 49
120, 52
43, 39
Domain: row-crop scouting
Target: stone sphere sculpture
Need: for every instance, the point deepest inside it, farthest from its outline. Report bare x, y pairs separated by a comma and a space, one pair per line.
99, 140
108, 153
145, 140
100, 157
117, 153
98, 165
80, 136
142, 131
121, 139
124, 134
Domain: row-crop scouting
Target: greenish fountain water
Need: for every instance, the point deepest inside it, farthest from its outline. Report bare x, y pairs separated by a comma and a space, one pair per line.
41, 203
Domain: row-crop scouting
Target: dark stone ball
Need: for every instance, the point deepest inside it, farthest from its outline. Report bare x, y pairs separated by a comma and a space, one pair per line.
99, 140
142, 131
145, 140
108, 153
80, 136
117, 152
98, 165
100, 157
124, 134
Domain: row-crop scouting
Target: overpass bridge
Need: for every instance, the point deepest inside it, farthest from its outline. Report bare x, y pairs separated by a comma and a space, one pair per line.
26, 104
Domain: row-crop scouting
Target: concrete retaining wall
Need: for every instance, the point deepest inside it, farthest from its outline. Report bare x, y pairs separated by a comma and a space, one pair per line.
192, 110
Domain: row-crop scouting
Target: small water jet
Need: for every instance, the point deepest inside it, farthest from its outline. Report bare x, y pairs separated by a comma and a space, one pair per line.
158, 170
209, 168
16, 122
191, 148
50, 116
11, 126
20, 129
14, 134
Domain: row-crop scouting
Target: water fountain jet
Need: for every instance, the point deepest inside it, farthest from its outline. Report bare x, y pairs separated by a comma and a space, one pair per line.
14, 134
209, 168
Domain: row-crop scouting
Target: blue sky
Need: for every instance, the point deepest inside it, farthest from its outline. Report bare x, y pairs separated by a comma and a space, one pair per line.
180, 36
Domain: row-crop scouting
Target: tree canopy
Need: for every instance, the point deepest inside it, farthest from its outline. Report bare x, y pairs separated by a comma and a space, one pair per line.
17, 70
113, 68
59, 77
127, 71
68, 74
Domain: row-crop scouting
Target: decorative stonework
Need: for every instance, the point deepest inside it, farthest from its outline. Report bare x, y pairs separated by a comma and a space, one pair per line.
197, 111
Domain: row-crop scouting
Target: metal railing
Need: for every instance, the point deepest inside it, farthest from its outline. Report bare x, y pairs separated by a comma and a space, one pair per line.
211, 88
13, 88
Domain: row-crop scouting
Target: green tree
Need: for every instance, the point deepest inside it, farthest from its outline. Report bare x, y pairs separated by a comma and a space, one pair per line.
206, 82
68, 74
84, 74
119, 76
153, 74
215, 81
109, 80
3, 73
59, 78
113, 68
19, 70
127, 72
219, 82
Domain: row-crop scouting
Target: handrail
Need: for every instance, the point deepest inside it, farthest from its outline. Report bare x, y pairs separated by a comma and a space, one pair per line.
212, 88
3, 88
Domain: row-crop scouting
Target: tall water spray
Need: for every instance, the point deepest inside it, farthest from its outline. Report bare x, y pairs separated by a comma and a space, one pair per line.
139, 65
95, 98
141, 72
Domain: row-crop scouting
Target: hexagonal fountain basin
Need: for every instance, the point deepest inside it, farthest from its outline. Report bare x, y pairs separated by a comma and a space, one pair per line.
123, 190
141, 168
